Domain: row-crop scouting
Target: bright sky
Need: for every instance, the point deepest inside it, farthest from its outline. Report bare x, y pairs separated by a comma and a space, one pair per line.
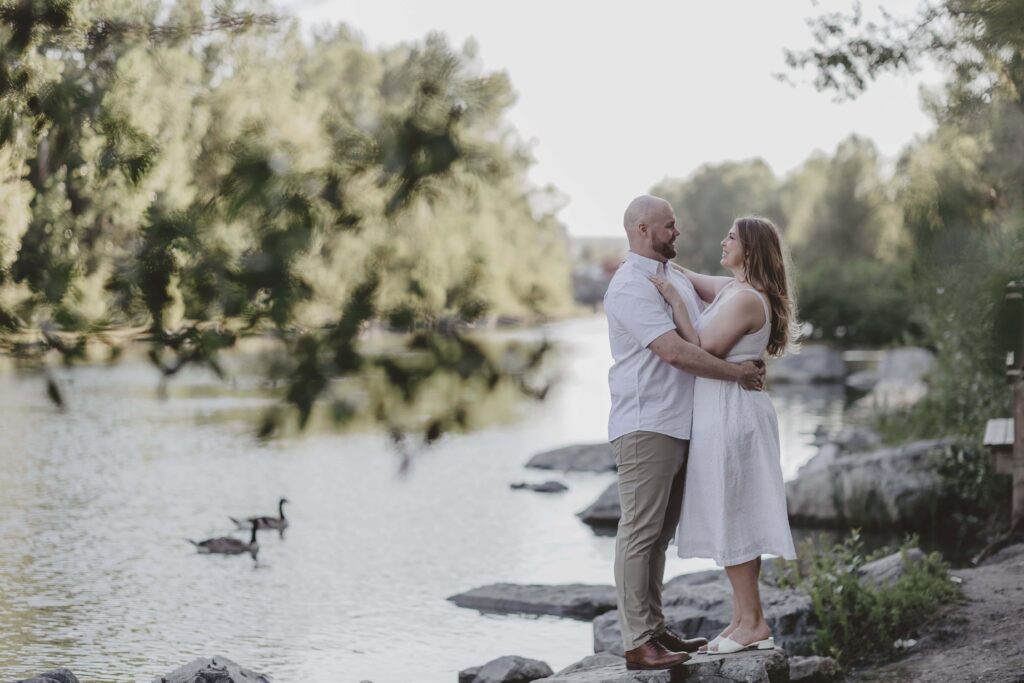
614, 97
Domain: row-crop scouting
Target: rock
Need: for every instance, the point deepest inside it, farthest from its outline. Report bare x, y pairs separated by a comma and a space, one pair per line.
815, 363
1007, 554
853, 439
511, 669
577, 601
751, 667
207, 670
888, 570
594, 457
605, 511
55, 676
908, 364
902, 379
601, 659
546, 487
700, 605
814, 670
884, 488
847, 440
863, 380
469, 675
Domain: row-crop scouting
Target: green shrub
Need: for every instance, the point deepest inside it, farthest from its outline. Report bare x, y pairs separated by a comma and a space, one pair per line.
858, 302
859, 621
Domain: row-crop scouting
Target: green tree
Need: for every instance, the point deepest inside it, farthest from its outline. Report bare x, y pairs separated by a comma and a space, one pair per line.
708, 202
155, 187
839, 208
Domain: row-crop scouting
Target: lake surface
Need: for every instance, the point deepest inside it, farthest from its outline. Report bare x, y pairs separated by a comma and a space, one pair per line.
95, 504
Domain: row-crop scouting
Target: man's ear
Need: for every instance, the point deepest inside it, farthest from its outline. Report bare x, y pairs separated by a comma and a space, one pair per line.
642, 227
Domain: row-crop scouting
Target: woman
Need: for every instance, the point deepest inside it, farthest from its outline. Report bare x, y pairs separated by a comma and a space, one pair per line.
734, 502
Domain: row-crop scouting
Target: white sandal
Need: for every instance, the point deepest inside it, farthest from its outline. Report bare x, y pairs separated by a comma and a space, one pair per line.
728, 646
706, 649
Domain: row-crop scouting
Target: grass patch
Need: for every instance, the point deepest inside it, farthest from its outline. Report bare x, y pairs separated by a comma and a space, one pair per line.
861, 622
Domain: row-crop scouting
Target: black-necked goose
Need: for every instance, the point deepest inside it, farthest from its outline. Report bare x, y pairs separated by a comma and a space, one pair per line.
228, 546
278, 522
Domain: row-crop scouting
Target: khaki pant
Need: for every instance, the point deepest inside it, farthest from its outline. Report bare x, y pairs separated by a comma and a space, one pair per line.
651, 470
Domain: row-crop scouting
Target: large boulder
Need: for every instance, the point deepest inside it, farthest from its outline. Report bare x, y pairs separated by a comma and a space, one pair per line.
591, 457
700, 605
814, 364
848, 439
209, 669
883, 488
604, 513
769, 666
577, 601
55, 676
510, 669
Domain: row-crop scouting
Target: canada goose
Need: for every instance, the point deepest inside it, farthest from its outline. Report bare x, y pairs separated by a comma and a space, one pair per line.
228, 546
278, 522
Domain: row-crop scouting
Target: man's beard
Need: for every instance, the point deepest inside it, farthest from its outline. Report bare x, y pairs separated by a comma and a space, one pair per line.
666, 249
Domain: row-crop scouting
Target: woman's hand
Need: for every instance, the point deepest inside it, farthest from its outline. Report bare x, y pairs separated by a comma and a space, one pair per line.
668, 291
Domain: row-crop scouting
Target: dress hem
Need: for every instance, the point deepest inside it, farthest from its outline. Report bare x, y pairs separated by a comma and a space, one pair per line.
731, 561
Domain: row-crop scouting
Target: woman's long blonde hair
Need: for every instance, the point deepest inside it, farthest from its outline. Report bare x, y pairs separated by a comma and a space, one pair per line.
765, 262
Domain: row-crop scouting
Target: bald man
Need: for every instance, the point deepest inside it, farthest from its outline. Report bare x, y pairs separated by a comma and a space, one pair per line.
651, 384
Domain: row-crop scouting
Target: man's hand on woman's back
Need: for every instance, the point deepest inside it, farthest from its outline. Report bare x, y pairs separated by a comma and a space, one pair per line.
753, 375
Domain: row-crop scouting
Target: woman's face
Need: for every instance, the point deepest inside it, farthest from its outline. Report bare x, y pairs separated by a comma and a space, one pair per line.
732, 250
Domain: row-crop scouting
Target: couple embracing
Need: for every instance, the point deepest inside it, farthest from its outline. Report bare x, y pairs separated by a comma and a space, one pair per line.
695, 437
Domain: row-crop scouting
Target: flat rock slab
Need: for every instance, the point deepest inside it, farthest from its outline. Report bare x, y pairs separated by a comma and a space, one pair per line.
576, 600
592, 457
55, 676
750, 667
546, 487
208, 669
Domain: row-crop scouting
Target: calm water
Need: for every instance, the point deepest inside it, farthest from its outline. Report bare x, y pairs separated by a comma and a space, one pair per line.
95, 504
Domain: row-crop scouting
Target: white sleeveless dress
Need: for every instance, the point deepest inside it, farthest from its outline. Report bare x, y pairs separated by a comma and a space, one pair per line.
734, 501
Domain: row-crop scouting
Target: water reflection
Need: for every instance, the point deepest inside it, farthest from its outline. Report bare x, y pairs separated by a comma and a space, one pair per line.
97, 502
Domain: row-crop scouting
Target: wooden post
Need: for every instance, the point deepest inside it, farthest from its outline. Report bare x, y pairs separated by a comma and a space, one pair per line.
1017, 517
1015, 376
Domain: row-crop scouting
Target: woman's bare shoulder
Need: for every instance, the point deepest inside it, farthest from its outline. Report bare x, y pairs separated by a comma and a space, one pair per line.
745, 304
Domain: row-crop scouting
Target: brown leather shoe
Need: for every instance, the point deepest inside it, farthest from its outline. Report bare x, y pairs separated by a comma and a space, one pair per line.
653, 655
673, 642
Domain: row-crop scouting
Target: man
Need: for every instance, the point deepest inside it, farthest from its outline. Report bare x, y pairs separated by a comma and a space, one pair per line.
651, 385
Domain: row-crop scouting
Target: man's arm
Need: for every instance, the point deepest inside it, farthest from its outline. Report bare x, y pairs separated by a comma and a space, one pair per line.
679, 353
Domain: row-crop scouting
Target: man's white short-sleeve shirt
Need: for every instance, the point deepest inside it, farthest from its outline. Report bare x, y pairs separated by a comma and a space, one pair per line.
648, 394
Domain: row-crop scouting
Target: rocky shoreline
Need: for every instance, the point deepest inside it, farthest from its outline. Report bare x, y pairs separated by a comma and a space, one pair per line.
975, 638
853, 481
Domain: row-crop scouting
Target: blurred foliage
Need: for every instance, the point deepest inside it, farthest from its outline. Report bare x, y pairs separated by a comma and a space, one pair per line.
961, 190
860, 302
860, 621
196, 173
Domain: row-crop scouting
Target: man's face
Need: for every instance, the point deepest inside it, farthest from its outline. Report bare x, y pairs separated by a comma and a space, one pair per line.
662, 232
